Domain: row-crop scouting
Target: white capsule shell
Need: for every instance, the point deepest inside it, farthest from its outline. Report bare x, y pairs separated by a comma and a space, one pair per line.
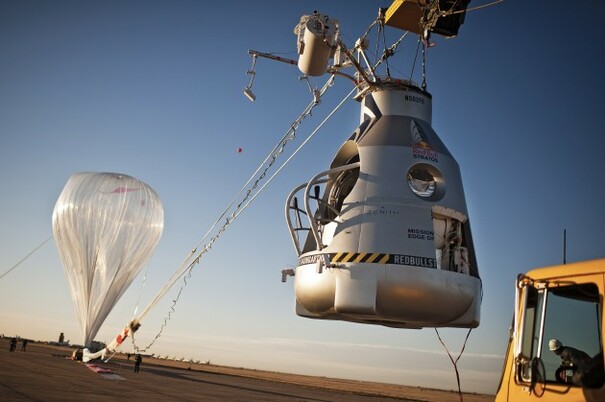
389, 238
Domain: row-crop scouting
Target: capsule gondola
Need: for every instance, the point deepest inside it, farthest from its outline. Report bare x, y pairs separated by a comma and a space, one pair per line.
383, 236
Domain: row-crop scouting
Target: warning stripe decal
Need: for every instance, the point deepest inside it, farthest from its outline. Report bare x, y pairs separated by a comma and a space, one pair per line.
377, 258
372, 258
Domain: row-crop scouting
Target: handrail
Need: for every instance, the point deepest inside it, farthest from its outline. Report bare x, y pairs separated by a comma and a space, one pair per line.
293, 235
317, 180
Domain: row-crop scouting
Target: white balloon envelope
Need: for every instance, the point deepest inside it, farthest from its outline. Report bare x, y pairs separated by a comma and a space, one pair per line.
106, 227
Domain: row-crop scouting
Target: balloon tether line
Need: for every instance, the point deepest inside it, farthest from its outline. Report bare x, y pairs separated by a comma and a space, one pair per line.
185, 270
26, 257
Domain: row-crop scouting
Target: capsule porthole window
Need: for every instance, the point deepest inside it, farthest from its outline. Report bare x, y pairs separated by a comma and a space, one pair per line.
426, 181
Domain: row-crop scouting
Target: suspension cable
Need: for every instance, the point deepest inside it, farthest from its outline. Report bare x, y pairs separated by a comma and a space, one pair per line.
302, 145
185, 269
391, 50
424, 45
415, 59
384, 44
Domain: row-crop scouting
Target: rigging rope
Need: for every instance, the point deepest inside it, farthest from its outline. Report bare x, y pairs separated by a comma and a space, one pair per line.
415, 59
141, 290
493, 3
26, 257
455, 362
303, 144
424, 45
384, 44
391, 50
185, 269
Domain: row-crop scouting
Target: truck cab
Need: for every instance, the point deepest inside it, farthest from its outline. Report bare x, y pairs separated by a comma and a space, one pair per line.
555, 349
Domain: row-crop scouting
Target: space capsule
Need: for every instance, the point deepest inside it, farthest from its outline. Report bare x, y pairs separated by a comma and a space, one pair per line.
383, 235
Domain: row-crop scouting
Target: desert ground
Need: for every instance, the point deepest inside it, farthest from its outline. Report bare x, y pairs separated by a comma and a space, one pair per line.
45, 373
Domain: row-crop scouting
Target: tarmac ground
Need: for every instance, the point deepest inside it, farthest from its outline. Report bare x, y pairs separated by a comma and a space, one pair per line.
45, 373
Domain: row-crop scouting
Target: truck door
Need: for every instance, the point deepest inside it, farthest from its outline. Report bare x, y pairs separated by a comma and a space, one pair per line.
558, 352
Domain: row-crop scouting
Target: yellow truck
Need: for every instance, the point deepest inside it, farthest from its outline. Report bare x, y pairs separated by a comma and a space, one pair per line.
555, 349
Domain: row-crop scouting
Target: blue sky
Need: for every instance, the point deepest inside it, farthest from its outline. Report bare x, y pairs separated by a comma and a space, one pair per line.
153, 89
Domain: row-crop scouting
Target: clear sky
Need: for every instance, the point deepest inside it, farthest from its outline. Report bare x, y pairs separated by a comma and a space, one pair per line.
153, 89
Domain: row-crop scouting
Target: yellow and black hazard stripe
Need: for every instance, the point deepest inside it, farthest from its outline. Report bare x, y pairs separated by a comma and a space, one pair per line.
371, 258
376, 258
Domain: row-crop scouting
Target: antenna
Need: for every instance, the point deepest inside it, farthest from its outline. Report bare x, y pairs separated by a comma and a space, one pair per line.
564, 246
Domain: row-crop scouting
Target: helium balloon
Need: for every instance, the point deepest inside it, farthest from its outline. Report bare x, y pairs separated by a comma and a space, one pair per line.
106, 227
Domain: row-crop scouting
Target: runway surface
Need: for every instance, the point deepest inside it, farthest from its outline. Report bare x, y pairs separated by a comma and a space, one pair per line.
43, 373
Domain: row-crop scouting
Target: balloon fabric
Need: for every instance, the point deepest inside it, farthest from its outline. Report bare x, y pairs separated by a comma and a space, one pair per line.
106, 227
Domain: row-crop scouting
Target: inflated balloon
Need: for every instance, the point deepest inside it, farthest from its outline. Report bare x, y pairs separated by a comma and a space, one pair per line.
106, 226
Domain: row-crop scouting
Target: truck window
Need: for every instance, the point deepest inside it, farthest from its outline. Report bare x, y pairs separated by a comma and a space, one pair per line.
561, 327
530, 331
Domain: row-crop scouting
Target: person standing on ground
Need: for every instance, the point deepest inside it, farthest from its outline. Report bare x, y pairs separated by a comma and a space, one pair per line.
24, 342
13, 344
137, 362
